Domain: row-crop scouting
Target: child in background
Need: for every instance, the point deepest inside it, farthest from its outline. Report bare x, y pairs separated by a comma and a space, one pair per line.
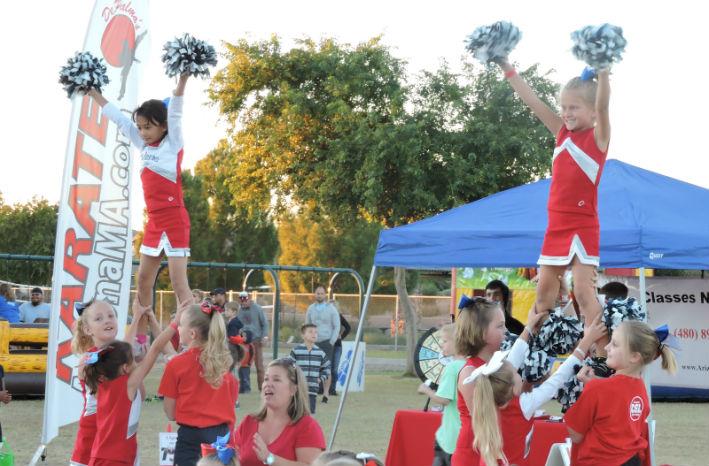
112, 375
312, 361
447, 396
200, 392
246, 361
608, 421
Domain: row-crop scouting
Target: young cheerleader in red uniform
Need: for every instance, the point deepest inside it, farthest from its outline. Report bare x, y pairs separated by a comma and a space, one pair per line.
582, 135
502, 415
200, 392
95, 327
112, 375
608, 421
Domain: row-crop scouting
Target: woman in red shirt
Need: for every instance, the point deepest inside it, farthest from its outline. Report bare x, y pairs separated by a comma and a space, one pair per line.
282, 433
608, 421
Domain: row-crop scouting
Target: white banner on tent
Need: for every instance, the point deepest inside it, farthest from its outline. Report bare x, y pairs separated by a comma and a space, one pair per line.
357, 382
682, 304
92, 255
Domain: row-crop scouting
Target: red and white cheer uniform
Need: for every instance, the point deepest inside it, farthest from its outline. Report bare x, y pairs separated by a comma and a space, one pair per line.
573, 228
168, 226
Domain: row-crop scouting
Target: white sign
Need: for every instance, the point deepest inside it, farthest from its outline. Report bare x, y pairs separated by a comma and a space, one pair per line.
682, 304
357, 382
166, 452
93, 249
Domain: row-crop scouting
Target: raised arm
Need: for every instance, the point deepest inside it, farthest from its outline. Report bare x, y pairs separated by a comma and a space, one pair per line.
603, 126
541, 110
180, 89
113, 113
531, 401
519, 349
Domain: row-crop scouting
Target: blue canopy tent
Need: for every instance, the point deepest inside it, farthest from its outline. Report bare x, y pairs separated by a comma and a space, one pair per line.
647, 220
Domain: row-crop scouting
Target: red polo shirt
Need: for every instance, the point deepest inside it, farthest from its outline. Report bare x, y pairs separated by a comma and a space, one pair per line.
198, 404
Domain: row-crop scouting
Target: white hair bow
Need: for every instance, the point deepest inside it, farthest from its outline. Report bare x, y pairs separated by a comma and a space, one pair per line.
492, 366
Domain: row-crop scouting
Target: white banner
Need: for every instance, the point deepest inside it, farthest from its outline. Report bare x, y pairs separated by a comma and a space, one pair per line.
682, 304
93, 250
357, 382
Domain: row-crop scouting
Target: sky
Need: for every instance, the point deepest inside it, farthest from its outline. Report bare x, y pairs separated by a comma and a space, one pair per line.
658, 90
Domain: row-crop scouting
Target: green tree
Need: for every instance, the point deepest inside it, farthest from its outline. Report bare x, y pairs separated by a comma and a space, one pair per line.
28, 228
318, 241
337, 128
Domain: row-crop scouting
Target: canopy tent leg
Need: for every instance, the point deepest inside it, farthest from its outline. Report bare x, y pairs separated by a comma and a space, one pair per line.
358, 338
646, 376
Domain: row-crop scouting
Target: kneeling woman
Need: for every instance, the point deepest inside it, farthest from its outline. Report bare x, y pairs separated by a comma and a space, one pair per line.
282, 433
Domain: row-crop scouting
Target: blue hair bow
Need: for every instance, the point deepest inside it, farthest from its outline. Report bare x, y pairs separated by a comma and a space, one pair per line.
91, 357
588, 74
667, 339
465, 301
166, 102
224, 452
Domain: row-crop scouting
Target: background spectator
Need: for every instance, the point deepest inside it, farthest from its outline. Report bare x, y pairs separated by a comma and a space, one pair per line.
35, 311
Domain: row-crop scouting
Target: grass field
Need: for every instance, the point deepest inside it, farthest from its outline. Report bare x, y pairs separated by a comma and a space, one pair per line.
682, 434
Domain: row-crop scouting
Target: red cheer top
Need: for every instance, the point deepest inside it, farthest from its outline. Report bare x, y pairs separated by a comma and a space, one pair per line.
611, 414
464, 455
575, 173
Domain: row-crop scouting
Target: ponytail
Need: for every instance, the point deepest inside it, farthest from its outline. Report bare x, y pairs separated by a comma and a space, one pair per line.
491, 392
642, 339
209, 327
669, 362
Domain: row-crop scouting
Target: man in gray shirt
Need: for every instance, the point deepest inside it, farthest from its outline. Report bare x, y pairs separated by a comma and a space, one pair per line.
254, 319
36, 311
327, 319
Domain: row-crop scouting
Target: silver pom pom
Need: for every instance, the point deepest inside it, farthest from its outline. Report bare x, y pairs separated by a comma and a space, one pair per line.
619, 310
489, 43
559, 334
509, 341
188, 55
537, 364
82, 73
599, 46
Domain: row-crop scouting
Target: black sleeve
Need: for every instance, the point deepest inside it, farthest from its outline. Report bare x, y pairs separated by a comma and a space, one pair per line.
234, 327
514, 325
345, 327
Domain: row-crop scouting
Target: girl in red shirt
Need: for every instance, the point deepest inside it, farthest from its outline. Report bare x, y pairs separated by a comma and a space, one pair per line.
502, 414
582, 132
111, 374
608, 422
200, 392
479, 332
95, 327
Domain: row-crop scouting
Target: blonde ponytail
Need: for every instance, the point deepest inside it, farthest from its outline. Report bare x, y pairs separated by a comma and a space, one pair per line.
641, 338
210, 331
491, 392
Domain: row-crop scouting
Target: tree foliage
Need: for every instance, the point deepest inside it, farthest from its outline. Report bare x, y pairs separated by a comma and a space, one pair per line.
28, 228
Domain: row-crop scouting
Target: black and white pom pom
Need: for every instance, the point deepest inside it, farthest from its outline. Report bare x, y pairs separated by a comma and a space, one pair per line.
599, 46
559, 334
188, 55
618, 310
488, 43
537, 364
569, 393
82, 73
509, 341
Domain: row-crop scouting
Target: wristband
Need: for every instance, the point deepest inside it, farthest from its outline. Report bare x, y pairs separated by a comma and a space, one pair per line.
529, 330
510, 73
581, 353
173, 325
